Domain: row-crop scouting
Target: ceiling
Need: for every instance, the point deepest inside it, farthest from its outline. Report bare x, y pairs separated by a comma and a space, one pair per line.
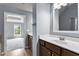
24, 6
21, 6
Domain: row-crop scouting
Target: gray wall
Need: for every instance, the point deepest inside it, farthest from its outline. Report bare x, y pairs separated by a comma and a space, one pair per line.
66, 15
43, 18
12, 9
1, 26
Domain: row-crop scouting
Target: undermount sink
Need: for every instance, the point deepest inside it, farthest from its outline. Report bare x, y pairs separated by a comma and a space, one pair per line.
57, 39
51, 37
60, 41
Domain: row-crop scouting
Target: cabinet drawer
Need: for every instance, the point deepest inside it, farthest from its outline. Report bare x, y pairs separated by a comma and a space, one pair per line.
53, 47
44, 51
42, 42
68, 53
55, 54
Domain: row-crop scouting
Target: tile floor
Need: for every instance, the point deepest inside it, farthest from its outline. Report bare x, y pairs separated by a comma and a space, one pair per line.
18, 52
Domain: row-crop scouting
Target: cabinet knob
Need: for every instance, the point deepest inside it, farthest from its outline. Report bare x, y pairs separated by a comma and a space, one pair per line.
43, 44
49, 53
52, 54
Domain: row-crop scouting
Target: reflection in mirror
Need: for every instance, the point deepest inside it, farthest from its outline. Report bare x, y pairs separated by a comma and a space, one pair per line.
65, 17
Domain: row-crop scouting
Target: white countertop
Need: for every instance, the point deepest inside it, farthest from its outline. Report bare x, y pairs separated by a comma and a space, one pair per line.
67, 44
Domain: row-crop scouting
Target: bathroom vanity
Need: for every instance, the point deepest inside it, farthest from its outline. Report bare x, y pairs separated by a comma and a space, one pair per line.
51, 45
56, 47
29, 37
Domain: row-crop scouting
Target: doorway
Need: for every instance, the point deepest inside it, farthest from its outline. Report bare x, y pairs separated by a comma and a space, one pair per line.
14, 31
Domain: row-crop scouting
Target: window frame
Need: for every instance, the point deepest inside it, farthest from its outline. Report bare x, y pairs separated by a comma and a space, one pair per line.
17, 35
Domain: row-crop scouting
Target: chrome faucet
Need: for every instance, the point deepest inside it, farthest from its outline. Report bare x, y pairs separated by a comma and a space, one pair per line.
61, 38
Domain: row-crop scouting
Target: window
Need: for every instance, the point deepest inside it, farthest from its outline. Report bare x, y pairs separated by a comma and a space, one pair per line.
17, 30
15, 18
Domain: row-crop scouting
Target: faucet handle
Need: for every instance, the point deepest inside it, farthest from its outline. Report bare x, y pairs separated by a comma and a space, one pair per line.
61, 38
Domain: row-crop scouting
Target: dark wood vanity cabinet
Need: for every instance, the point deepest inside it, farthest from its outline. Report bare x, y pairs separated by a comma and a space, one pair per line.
41, 42
45, 49
68, 53
30, 42
49, 49
54, 54
55, 49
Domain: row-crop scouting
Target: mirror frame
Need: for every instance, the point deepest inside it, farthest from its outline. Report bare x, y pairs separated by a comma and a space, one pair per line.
57, 32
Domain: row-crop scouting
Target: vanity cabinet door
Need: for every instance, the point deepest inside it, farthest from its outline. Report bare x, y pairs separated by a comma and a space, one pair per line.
68, 53
29, 42
44, 51
53, 47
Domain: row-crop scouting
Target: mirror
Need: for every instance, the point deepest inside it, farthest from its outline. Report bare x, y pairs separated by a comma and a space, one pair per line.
65, 17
